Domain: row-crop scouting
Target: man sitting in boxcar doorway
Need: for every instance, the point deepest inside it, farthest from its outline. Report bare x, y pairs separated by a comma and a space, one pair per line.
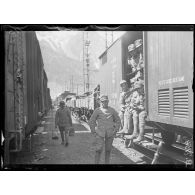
138, 111
125, 112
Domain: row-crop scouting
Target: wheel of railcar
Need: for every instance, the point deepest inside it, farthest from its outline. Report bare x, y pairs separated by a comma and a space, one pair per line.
168, 137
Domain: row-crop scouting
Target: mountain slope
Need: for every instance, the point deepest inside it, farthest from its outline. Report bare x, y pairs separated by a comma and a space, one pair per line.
62, 55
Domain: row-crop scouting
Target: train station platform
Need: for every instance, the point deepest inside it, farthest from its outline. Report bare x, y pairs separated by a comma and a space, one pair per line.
45, 150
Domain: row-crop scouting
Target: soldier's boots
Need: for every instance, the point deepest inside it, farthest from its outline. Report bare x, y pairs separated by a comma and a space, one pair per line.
134, 135
140, 136
123, 131
138, 139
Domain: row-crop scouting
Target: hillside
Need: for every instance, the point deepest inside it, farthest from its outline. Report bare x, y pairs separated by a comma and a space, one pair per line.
62, 55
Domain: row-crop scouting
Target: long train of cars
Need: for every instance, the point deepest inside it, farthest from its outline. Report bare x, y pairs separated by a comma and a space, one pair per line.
168, 79
27, 97
167, 73
84, 105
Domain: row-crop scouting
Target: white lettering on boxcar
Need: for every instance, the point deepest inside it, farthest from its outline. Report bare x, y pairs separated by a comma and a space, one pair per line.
172, 80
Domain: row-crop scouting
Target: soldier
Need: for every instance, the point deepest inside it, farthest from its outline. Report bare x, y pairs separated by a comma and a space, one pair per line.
125, 112
108, 122
139, 50
131, 60
138, 111
124, 87
64, 121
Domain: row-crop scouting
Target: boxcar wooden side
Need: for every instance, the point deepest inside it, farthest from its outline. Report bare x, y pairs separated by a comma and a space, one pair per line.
169, 77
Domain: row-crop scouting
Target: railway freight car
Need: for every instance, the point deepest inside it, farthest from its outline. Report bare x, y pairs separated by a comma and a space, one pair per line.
114, 67
24, 89
168, 77
49, 100
36, 90
46, 94
168, 80
89, 100
71, 101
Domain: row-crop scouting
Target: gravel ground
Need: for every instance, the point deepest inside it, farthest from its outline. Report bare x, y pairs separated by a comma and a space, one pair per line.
45, 150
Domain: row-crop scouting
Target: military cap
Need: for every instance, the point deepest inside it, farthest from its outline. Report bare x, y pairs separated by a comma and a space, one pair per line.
62, 103
123, 81
103, 98
131, 47
138, 43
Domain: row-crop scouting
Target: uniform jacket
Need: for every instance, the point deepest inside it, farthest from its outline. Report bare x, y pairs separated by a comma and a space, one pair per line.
137, 101
104, 121
63, 117
125, 99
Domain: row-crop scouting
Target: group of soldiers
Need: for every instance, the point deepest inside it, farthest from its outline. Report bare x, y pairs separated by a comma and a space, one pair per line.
132, 111
135, 61
82, 113
132, 108
104, 121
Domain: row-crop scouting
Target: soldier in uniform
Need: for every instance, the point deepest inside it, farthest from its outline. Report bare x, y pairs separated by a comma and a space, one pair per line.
131, 58
138, 112
104, 123
64, 121
136, 60
124, 87
139, 50
125, 112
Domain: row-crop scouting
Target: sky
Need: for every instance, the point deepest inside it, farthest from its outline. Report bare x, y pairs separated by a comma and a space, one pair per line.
63, 36
68, 34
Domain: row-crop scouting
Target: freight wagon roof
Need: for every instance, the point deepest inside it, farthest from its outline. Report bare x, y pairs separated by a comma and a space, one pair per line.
109, 47
132, 36
45, 75
70, 97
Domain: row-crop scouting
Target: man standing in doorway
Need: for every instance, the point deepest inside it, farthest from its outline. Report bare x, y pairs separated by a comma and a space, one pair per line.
104, 123
64, 121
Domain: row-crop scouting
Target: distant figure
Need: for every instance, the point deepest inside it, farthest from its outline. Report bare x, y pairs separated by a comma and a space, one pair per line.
64, 121
108, 123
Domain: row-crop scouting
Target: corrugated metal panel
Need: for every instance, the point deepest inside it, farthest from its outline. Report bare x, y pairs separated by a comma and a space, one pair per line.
180, 102
163, 102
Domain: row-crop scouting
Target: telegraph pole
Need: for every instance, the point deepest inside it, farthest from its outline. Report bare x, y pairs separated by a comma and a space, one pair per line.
77, 89
72, 85
87, 44
106, 41
84, 61
112, 35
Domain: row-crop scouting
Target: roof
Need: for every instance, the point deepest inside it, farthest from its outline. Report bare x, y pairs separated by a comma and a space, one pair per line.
109, 47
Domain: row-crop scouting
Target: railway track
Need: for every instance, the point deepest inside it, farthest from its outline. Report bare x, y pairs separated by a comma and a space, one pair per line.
159, 153
156, 152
